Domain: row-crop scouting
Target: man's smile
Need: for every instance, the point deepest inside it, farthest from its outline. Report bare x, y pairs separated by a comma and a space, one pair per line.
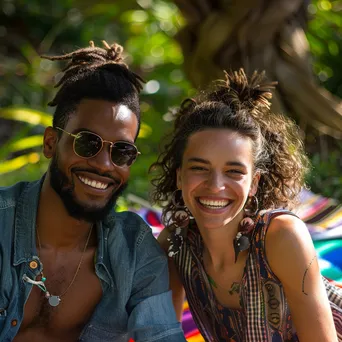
93, 183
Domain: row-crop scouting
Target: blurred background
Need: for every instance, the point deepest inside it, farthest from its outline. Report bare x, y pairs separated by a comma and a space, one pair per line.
180, 46
177, 46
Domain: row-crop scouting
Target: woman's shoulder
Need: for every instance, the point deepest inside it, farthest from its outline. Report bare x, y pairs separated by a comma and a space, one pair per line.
285, 228
288, 246
273, 224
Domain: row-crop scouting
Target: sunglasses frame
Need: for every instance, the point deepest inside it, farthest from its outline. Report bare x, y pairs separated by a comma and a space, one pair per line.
111, 144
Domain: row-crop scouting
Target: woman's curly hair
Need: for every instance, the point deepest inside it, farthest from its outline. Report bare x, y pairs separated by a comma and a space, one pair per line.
241, 105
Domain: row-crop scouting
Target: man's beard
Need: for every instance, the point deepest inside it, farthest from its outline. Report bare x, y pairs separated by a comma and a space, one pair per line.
65, 189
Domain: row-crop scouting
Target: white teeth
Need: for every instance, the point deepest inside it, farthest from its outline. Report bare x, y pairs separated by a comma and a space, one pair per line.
92, 183
213, 204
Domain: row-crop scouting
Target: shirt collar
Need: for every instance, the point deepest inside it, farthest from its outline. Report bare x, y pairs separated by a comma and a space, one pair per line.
25, 232
25, 223
102, 253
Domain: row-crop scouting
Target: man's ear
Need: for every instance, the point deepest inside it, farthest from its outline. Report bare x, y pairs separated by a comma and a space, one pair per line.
50, 142
254, 185
179, 179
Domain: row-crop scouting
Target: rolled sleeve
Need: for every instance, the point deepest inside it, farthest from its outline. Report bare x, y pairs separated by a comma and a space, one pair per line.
151, 312
154, 319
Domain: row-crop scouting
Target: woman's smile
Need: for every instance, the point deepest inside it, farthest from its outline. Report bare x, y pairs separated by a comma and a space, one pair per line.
216, 176
215, 204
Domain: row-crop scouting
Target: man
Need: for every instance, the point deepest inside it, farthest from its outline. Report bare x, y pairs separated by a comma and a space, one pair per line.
104, 276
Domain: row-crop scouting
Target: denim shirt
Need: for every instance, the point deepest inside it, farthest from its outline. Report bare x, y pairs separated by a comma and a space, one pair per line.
136, 301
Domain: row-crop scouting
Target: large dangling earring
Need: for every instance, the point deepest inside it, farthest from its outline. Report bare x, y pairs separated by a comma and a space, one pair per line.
252, 206
180, 218
242, 239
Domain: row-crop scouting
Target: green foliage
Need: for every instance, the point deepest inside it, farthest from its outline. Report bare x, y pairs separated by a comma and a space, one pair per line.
325, 38
324, 34
146, 28
20, 142
326, 176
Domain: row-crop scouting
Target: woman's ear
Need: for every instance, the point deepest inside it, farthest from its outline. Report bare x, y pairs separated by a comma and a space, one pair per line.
179, 179
50, 142
255, 182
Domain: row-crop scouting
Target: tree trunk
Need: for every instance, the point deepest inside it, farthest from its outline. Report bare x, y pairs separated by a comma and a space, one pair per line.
259, 35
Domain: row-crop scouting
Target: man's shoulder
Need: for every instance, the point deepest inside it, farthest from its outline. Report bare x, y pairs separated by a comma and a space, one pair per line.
130, 219
9, 195
128, 224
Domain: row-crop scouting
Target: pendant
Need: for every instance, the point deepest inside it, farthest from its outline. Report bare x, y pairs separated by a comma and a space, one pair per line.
54, 300
241, 243
234, 288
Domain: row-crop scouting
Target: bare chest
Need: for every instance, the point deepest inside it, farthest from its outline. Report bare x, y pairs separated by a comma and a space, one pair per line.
78, 298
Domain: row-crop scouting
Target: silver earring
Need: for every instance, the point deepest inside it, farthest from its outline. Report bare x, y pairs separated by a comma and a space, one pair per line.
180, 219
252, 206
242, 241
177, 199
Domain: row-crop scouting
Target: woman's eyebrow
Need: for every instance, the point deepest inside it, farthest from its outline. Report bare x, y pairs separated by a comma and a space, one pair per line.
204, 161
198, 160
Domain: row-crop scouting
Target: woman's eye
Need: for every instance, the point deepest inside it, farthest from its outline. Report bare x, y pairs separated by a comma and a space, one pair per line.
235, 171
197, 168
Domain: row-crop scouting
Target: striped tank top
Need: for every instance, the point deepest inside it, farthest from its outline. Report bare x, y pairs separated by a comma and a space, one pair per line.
264, 315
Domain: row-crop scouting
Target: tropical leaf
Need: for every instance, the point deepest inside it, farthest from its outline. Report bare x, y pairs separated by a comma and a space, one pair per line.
25, 143
145, 130
30, 116
19, 162
6, 148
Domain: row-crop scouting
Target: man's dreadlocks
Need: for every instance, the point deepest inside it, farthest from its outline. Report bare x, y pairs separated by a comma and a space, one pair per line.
95, 73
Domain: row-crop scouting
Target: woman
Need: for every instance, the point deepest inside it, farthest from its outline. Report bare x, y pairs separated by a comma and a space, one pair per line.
228, 172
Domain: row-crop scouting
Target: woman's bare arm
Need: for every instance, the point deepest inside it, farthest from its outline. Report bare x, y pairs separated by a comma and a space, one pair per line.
292, 258
178, 293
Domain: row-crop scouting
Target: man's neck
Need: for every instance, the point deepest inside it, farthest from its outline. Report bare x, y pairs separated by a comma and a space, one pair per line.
57, 229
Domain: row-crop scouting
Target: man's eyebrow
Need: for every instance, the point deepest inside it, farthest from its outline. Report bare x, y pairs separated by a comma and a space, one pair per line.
78, 130
204, 161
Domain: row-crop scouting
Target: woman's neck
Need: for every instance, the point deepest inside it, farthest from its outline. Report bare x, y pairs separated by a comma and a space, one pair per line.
218, 243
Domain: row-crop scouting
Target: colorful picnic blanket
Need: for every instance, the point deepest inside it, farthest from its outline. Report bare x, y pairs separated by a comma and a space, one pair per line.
323, 217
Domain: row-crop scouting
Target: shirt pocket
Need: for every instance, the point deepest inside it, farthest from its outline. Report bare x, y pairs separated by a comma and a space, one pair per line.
93, 333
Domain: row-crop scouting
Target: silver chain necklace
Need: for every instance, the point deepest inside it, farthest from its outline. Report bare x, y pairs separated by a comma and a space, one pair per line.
54, 300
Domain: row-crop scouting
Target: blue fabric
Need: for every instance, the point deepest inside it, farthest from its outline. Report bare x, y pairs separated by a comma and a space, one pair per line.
132, 268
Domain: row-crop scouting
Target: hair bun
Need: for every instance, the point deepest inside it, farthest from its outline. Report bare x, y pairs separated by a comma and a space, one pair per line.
237, 91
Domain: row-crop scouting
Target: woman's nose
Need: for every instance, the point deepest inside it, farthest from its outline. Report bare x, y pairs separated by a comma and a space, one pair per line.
216, 182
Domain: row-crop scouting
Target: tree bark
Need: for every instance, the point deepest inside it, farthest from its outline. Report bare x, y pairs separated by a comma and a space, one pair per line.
259, 35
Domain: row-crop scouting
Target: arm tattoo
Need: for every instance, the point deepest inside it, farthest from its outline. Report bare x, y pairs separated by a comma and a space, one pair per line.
306, 271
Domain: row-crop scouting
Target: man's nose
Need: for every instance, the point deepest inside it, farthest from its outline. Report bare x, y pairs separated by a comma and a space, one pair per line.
103, 160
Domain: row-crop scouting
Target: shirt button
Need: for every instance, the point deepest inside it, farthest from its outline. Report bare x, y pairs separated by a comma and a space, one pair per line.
33, 265
14, 323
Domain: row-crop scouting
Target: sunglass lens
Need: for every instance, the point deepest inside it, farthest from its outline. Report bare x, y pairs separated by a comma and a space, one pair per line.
87, 144
123, 153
